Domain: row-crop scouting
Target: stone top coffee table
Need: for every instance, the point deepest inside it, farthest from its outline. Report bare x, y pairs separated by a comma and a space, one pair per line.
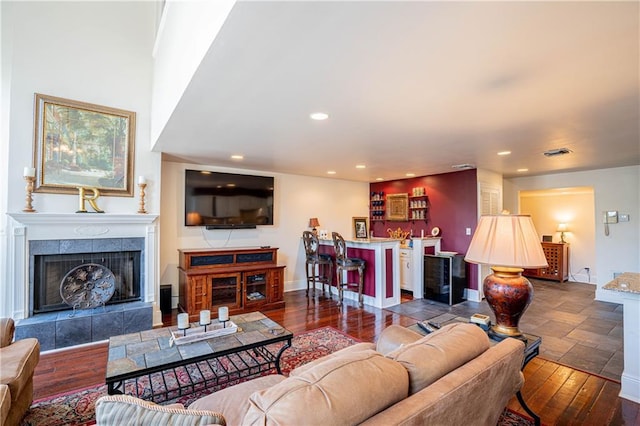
148, 366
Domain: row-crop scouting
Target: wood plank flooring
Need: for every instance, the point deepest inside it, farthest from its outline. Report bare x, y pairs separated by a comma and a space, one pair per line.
559, 394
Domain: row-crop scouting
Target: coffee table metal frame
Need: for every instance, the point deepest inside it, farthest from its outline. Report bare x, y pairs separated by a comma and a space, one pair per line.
195, 373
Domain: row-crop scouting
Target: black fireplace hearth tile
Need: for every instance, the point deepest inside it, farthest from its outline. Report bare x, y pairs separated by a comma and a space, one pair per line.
75, 246
106, 325
138, 319
45, 332
106, 245
38, 319
75, 314
73, 331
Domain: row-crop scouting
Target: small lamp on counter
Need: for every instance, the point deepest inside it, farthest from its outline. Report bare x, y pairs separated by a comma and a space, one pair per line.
509, 244
562, 228
314, 223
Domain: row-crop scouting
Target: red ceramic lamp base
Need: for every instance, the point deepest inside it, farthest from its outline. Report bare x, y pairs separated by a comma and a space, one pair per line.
508, 294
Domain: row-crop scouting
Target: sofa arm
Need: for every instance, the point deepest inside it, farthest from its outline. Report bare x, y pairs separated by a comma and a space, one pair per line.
5, 404
125, 410
7, 328
395, 336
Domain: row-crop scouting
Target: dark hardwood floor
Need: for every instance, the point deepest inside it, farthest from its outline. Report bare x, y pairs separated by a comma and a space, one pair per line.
559, 394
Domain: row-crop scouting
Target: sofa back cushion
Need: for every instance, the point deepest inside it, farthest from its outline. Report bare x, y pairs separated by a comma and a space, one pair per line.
339, 391
438, 353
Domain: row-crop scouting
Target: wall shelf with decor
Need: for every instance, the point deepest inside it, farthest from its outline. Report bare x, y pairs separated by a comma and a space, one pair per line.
377, 206
418, 207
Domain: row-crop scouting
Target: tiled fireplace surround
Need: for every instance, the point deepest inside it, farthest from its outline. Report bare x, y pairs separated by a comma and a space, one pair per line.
40, 233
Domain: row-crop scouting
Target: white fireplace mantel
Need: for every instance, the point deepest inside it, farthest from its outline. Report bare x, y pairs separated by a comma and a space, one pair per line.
25, 227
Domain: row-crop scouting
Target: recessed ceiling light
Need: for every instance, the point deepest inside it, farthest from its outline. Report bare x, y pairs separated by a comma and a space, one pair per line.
361, 166
231, 185
331, 172
378, 179
523, 170
319, 116
410, 174
504, 153
237, 157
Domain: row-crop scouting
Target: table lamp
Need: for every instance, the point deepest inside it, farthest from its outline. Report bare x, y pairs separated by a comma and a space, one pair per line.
562, 228
508, 243
313, 223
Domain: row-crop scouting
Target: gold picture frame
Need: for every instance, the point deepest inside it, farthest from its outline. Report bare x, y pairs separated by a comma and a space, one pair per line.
361, 228
78, 144
398, 207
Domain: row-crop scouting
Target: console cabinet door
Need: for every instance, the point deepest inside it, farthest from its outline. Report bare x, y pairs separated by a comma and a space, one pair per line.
198, 298
255, 287
226, 290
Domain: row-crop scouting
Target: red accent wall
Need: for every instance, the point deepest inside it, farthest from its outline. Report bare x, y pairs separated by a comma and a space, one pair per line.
452, 207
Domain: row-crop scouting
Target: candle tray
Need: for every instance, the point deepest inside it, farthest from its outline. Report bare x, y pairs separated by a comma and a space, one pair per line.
195, 334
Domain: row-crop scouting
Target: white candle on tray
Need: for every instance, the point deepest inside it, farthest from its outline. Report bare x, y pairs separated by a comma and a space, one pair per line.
223, 313
29, 172
183, 321
205, 317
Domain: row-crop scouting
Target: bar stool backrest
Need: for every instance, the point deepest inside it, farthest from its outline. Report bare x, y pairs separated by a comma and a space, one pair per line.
339, 245
310, 244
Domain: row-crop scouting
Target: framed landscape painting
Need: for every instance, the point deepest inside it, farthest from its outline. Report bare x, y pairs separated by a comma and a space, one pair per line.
77, 144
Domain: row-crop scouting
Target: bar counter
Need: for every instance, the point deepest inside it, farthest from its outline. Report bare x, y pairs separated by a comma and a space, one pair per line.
381, 287
629, 285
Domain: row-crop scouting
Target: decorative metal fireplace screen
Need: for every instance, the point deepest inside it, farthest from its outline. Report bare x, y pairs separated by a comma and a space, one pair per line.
51, 285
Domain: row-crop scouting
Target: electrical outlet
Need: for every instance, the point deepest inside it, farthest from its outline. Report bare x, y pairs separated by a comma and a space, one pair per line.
468, 231
623, 218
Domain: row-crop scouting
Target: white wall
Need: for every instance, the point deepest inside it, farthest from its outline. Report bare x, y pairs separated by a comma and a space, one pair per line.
575, 208
297, 198
185, 33
96, 52
614, 189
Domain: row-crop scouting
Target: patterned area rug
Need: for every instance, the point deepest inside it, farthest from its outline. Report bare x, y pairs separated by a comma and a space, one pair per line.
77, 407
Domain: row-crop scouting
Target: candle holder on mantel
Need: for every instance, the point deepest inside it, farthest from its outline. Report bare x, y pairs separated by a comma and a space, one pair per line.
29, 198
142, 210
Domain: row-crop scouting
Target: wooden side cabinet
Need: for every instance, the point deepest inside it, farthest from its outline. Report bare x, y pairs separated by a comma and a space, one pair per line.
557, 255
243, 279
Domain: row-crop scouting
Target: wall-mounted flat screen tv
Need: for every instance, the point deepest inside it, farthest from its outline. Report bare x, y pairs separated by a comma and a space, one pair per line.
227, 200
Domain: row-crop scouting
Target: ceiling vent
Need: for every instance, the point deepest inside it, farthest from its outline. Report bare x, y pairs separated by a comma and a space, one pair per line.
464, 166
557, 151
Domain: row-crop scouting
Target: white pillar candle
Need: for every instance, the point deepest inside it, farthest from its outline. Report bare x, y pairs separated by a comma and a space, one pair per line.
422, 233
223, 314
205, 317
183, 321
142, 179
29, 172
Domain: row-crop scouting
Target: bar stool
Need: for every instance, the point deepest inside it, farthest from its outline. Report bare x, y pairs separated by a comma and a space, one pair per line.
344, 263
321, 260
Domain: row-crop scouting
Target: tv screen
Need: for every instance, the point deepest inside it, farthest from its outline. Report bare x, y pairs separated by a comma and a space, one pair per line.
227, 200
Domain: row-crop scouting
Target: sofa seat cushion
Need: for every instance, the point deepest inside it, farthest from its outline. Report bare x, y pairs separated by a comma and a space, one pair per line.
341, 390
18, 361
233, 401
349, 349
440, 352
126, 410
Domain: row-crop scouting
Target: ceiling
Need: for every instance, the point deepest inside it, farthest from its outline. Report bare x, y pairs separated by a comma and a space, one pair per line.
414, 87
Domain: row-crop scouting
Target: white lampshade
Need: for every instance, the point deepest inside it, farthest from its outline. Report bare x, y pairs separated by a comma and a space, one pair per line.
507, 241
562, 227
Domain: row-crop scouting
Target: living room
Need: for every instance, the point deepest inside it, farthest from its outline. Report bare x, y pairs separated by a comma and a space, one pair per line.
101, 53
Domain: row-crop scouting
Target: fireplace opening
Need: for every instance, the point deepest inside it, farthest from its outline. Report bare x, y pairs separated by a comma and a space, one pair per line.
51, 269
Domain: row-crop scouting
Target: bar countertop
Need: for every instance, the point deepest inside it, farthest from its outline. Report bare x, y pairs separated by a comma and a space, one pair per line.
628, 282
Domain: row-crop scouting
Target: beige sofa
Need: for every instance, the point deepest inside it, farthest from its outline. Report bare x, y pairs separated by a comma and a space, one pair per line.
449, 377
18, 361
